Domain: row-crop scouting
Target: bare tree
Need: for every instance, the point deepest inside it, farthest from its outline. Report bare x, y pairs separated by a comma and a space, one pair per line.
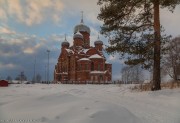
132, 74
125, 74
38, 78
21, 77
171, 61
9, 78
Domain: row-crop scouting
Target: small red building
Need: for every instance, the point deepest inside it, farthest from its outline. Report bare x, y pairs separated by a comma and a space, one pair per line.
3, 83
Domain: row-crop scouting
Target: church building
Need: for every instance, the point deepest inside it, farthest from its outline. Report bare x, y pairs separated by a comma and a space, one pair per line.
82, 63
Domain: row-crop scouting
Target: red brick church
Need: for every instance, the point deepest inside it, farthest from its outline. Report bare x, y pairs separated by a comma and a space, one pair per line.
82, 63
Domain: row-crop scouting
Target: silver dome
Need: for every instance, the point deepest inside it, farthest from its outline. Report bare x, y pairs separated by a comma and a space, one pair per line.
78, 35
65, 43
98, 41
82, 28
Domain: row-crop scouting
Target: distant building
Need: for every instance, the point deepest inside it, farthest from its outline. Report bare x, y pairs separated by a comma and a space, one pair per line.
82, 63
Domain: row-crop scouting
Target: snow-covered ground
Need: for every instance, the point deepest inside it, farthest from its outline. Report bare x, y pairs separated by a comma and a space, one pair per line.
87, 104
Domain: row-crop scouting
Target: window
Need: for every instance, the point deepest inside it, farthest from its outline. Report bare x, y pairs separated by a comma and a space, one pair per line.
105, 67
86, 67
59, 78
96, 78
101, 77
91, 78
80, 67
92, 66
63, 69
99, 67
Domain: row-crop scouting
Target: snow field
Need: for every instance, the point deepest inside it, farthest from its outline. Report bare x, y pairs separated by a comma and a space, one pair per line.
88, 104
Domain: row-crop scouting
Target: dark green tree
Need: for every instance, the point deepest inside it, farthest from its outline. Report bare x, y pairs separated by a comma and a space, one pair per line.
134, 30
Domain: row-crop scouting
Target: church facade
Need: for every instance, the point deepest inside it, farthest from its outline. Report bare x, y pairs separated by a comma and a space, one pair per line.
82, 63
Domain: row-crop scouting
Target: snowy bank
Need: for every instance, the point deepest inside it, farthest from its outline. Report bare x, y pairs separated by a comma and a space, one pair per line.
88, 104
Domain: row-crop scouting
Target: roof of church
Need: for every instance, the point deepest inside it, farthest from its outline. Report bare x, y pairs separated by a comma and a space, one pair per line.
85, 50
65, 43
95, 56
96, 72
107, 62
82, 28
78, 35
84, 59
69, 51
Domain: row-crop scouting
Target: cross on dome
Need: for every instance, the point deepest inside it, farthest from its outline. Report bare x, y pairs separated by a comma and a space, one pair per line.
65, 37
81, 27
98, 41
65, 42
82, 17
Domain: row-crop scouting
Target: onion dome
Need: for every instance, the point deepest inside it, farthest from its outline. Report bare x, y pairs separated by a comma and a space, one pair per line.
65, 42
81, 27
98, 41
78, 35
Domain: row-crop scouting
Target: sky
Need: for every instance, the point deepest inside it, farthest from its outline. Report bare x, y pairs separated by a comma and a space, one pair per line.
29, 27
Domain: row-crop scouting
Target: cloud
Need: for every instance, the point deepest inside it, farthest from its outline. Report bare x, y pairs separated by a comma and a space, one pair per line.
31, 12
19, 50
28, 50
7, 66
170, 21
6, 30
89, 7
3, 15
15, 9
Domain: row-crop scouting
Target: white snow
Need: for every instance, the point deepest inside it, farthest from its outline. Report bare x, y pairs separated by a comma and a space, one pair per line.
85, 50
95, 56
84, 59
70, 51
107, 62
97, 72
57, 103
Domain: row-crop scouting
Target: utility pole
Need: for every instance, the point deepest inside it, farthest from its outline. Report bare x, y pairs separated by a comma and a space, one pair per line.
48, 51
45, 77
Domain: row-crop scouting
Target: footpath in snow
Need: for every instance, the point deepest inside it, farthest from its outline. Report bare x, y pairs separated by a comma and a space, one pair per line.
56, 103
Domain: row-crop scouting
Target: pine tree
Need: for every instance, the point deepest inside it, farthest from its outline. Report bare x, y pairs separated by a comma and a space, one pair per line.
134, 30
